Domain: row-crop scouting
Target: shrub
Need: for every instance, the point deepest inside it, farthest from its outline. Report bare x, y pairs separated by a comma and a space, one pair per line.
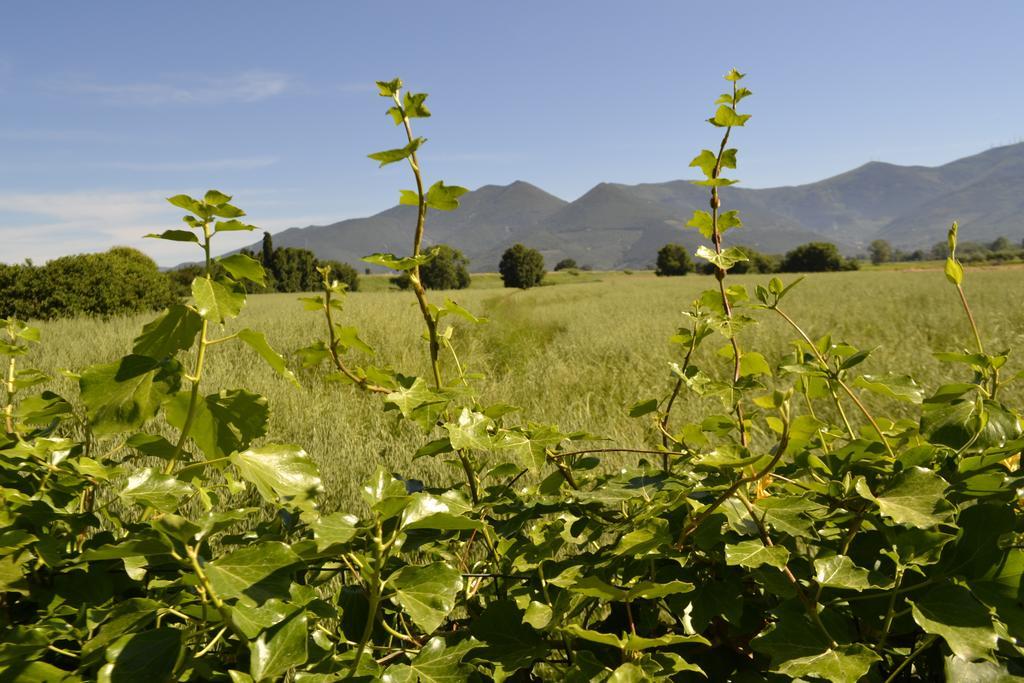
119, 281
449, 269
815, 257
521, 267
880, 251
673, 259
565, 264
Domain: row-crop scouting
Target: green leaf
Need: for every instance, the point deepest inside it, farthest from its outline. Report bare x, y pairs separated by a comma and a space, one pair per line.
452, 308
283, 474
414, 107
418, 403
643, 407
703, 222
510, 640
280, 648
436, 662
242, 266
257, 572
427, 593
725, 116
954, 271
217, 301
950, 611
398, 263
223, 422
348, 337
408, 198
389, 88
734, 75
390, 156
149, 655
216, 197
839, 571
916, 497
333, 529
798, 648
444, 197
725, 260
183, 201
753, 363
152, 488
121, 396
174, 331
706, 162
175, 236
470, 431
753, 554
901, 387
259, 344
233, 226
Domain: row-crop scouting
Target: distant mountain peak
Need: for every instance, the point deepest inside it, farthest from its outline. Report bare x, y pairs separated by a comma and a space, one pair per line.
614, 225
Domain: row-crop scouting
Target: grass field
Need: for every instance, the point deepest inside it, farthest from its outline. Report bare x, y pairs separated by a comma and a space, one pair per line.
577, 354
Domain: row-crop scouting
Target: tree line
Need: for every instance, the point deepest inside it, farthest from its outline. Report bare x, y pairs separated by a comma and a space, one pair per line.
999, 249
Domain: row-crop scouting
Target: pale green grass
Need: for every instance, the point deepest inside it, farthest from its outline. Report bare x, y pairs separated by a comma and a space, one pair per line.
578, 354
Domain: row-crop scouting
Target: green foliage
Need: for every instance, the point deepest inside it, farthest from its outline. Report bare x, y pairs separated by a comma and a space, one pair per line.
447, 269
805, 530
815, 257
521, 267
673, 259
880, 251
121, 280
566, 264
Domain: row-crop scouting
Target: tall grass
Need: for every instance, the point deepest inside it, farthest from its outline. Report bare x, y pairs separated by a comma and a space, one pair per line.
578, 354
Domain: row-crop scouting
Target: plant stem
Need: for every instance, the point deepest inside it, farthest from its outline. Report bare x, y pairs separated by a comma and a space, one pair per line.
332, 347
374, 588
977, 337
9, 406
846, 388
890, 611
925, 644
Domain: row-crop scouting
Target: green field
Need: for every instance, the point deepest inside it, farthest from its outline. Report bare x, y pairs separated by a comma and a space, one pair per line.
578, 353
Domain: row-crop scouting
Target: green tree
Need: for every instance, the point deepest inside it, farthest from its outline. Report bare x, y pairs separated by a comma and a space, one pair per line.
880, 251
814, 257
565, 264
673, 259
521, 267
343, 272
449, 269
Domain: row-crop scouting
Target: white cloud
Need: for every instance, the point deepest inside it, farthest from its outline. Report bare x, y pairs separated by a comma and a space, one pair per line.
44, 225
247, 86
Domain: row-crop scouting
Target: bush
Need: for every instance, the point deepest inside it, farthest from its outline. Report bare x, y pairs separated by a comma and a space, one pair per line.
521, 267
880, 252
565, 264
815, 257
119, 281
673, 259
449, 269
756, 263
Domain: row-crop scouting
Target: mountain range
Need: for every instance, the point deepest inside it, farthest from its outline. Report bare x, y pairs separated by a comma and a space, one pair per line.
621, 226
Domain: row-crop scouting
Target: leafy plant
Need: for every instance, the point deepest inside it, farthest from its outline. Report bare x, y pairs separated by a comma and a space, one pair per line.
673, 260
795, 532
447, 269
521, 267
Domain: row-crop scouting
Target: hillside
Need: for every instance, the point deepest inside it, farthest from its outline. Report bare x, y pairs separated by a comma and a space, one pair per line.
615, 225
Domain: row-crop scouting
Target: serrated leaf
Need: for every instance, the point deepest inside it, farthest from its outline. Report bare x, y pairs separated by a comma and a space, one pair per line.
258, 342
174, 331
401, 263
217, 301
470, 431
121, 396
242, 266
427, 593
725, 117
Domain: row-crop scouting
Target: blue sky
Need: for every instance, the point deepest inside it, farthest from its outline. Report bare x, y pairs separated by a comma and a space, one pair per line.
107, 107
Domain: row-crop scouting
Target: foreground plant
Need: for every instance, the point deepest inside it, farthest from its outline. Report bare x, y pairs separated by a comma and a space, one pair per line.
799, 531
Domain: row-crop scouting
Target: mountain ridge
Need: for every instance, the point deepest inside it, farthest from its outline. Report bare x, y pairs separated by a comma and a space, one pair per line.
618, 225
